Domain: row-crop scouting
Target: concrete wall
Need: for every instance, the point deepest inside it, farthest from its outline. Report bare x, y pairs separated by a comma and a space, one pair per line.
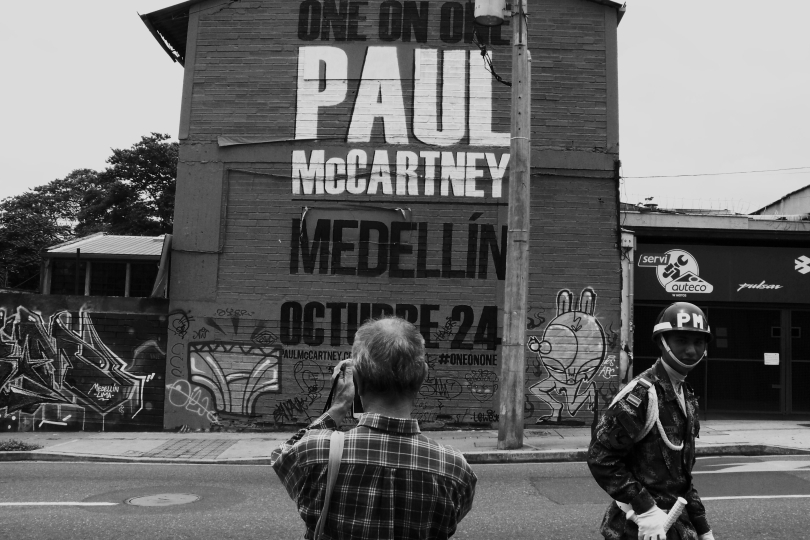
333, 172
81, 363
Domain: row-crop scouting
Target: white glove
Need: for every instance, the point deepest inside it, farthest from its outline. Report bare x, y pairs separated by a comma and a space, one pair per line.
707, 536
651, 524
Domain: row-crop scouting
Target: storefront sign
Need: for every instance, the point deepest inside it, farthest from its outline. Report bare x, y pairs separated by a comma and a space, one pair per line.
722, 273
803, 264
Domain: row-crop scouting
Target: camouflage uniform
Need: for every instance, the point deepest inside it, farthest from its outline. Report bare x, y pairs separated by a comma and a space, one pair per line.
648, 473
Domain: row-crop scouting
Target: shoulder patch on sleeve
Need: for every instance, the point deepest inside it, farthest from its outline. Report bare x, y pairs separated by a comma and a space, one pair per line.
634, 400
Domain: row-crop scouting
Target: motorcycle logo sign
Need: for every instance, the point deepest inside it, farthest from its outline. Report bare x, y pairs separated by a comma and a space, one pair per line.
677, 271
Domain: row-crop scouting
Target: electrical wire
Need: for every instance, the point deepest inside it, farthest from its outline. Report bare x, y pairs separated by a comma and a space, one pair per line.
487, 60
718, 174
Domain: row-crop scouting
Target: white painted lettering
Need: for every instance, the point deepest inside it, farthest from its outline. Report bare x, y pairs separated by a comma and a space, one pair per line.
407, 162
379, 96
380, 174
453, 173
311, 175
430, 170
335, 177
425, 100
310, 97
460, 174
472, 174
497, 171
480, 115
357, 159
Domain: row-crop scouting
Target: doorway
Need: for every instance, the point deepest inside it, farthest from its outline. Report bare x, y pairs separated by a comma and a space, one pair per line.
735, 377
738, 376
799, 374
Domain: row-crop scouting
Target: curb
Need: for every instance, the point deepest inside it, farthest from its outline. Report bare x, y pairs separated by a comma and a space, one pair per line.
88, 458
523, 456
520, 456
749, 450
474, 458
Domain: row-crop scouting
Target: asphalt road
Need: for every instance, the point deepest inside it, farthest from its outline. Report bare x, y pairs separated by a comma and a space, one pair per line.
537, 501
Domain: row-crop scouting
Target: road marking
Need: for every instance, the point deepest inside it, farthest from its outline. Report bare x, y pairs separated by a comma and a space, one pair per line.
760, 466
755, 497
231, 463
58, 504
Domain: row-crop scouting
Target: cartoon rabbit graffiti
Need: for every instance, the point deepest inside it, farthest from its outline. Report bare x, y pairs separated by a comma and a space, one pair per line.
571, 350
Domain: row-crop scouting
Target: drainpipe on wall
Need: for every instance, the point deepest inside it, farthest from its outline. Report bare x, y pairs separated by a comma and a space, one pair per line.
626, 354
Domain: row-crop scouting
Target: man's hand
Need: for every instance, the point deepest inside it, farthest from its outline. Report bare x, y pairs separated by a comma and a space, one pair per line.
651, 524
344, 392
707, 536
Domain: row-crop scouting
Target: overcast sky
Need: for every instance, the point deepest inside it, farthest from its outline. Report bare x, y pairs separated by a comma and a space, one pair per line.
709, 87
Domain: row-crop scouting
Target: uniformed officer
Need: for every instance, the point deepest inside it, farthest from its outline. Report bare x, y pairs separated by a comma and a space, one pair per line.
643, 447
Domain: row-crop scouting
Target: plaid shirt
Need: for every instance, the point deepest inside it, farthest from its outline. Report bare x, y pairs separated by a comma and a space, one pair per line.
394, 482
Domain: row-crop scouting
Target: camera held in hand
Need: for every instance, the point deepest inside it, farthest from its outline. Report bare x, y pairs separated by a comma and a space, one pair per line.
357, 406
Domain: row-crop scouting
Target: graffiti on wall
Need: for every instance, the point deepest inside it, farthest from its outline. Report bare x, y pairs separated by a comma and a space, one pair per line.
569, 355
225, 366
243, 375
57, 373
235, 374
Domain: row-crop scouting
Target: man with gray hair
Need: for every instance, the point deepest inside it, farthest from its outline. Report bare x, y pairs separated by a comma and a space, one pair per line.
394, 482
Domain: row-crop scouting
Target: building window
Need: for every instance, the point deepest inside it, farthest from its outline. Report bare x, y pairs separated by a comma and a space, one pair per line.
142, 278
63, 276
108, 278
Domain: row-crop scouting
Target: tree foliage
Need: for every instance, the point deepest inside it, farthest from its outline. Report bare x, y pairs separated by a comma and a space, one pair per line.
133, 196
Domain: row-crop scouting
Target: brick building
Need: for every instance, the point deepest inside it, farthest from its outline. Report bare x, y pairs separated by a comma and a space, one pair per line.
346, 159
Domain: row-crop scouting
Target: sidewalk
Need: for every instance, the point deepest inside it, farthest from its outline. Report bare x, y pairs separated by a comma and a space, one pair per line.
544, 444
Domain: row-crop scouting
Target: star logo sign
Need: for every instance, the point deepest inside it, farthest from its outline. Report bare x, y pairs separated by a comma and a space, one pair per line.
803, 264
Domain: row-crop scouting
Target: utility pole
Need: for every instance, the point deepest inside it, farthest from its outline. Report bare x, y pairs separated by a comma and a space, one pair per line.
513, 360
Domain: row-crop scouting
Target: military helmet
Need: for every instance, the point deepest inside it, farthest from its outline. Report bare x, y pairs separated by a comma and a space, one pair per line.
682, 317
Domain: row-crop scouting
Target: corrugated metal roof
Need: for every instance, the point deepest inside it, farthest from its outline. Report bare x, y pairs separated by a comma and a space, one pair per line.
102, 244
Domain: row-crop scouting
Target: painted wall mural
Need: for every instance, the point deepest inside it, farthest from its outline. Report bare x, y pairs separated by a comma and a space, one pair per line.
248, 373
216, 366
245, 374
571, 356
80, 370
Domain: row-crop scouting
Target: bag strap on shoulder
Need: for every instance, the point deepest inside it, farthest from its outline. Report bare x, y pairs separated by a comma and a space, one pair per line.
332, 469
